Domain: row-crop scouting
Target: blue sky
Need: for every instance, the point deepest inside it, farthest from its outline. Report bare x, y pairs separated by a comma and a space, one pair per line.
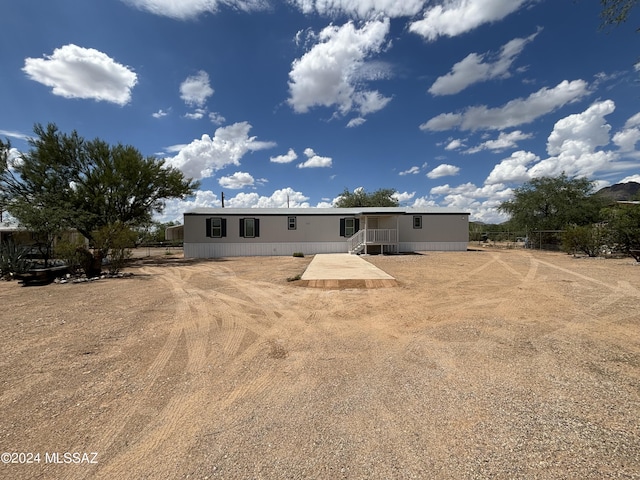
450, 102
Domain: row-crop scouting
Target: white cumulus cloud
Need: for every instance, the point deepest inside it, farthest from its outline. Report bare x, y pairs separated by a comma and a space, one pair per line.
356, 122
203, 156
236, 181
188, 9
288, 157
516, 112
631, 178
283, 198
633, 121
573, 144
160, 114
577, 146
455, 17
329, 74
361, 8
514, 169
196, 89
455, 144
627, 139
476, 68
412, 171
77, 72
443, 170
216, 118
174, 209
482, 202
314, 160
503, 142
403, 197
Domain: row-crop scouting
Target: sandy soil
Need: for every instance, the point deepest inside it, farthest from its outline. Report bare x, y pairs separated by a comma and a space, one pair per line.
483, 364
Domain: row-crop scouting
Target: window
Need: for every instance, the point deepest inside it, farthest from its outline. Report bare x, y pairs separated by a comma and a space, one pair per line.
291, 222
417, 221
349, 226
249, 227
216, 227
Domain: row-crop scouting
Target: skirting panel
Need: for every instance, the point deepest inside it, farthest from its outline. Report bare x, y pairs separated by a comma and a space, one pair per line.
217, 250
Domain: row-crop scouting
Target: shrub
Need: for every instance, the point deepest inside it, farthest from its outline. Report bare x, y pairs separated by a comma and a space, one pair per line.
114, 242
13, 259
298, 254
69, 252
588, 239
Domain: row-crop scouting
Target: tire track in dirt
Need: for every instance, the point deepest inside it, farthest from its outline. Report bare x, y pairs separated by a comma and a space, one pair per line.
624, 288
492, 329
472, 273
204, 323
185, 324
598, 310
113, 430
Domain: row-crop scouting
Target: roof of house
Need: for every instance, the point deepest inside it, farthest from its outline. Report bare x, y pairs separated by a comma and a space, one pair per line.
329, 211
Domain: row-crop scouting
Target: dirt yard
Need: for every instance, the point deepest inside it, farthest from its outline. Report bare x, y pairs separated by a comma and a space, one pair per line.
482, 364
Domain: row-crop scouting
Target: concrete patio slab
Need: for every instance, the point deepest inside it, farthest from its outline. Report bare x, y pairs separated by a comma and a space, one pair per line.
342, 270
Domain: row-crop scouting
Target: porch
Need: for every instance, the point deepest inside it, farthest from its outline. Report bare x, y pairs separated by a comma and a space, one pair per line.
374, 239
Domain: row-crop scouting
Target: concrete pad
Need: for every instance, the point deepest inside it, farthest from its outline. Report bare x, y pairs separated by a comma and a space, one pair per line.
342, 270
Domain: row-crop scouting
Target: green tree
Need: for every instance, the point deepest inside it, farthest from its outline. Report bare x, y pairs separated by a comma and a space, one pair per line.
615, 12
65, 182
553, 203
623, 222
383, 197
153, 232
34, 193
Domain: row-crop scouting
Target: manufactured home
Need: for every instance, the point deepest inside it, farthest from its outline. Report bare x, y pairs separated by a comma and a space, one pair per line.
236, 232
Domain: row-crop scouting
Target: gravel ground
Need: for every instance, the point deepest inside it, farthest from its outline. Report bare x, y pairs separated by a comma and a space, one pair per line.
486, 364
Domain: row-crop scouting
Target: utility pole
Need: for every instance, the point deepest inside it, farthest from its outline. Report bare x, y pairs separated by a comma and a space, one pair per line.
222, 197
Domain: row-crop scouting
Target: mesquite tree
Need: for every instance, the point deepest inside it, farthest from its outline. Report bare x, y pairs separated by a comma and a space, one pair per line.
66, 182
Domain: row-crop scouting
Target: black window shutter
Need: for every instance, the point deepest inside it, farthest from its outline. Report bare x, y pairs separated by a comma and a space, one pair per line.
357, 224
242, 227
256, 227
342, 229
208, 227
224, 227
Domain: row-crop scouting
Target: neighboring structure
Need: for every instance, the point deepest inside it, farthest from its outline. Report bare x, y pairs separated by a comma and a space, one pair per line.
174, 233
15, 234
236, 232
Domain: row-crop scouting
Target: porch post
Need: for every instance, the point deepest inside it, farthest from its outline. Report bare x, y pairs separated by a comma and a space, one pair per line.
366, 224
397, 233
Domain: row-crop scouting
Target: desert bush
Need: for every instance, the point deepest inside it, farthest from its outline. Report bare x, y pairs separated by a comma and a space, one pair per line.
588, 239
298, 254
69, 252
13, 259
114, 242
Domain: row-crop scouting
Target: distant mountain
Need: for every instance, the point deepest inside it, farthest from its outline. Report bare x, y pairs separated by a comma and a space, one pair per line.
620, 191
